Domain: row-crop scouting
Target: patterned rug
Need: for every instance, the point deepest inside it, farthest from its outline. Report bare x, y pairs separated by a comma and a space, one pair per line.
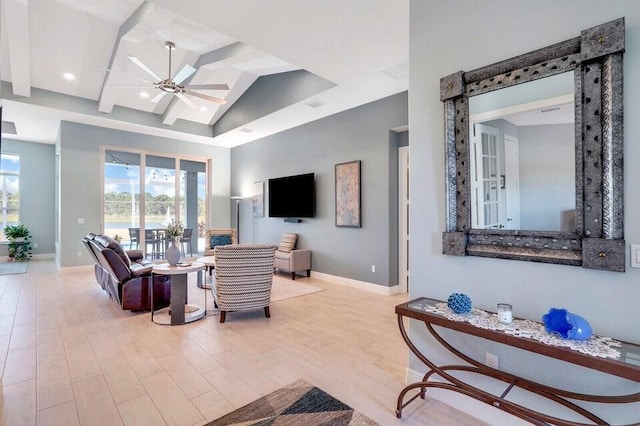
298, 404
10, 268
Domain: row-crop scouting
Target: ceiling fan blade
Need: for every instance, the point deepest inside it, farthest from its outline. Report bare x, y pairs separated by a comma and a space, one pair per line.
158, 97
130, 87
186, 100
126, 75
207, 87
145, 68
209, 98
185, 72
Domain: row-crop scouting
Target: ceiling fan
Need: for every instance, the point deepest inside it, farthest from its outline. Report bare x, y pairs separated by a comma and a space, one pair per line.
170, 85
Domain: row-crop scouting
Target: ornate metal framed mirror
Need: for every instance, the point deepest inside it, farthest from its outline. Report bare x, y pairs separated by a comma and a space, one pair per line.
491, 189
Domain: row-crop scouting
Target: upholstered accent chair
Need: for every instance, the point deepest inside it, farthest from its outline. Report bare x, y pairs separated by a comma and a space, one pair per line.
243, 277
290, 259
219, 237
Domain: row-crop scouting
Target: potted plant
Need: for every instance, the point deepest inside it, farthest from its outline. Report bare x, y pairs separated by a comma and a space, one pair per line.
19, 241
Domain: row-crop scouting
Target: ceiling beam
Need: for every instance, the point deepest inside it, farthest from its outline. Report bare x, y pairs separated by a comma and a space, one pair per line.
15, 14
107, 97
224, 54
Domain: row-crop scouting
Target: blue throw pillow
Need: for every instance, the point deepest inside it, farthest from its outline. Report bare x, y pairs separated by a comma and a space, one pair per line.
220, 240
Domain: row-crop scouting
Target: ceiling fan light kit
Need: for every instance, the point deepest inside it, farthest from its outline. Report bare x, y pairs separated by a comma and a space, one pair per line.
173, 86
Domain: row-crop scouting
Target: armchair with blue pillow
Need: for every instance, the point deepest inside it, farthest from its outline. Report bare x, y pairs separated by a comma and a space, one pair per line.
219, 237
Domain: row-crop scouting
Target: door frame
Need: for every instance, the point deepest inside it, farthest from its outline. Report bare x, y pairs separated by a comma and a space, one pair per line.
403, 218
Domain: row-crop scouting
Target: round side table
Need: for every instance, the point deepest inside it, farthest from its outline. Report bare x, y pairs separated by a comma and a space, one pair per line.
179, 311
210, 264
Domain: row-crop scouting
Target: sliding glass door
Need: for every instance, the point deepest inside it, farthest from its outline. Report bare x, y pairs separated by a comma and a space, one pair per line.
122, 197
142, 196
193, 178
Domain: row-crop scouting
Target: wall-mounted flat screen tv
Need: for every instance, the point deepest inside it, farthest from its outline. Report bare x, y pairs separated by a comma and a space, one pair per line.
292, 196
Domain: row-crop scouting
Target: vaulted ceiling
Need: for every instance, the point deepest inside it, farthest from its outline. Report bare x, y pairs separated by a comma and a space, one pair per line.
345, 54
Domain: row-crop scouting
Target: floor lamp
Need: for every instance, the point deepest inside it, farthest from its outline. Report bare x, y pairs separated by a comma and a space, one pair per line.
237, 199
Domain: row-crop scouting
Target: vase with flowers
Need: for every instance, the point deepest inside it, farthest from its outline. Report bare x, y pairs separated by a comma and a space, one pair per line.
174, 231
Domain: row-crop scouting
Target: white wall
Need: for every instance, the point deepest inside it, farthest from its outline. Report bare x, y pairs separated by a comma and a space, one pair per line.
447, 36
547, 176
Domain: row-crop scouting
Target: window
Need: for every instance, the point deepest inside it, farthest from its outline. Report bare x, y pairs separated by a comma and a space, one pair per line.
9, 190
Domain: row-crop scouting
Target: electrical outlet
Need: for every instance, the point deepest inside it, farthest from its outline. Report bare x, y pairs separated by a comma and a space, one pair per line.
491, 360
35, 245
79, 254
81, 221
373, 268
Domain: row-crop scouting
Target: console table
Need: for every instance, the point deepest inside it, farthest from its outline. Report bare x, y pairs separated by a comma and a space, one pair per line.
626, 366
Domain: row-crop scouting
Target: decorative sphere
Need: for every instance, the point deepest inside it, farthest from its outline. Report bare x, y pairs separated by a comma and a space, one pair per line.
459, 303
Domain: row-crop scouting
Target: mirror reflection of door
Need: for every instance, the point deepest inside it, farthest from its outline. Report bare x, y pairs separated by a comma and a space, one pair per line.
487, 200
511, 182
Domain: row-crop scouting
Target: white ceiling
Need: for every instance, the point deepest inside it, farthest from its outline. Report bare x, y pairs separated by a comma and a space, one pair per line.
360, 45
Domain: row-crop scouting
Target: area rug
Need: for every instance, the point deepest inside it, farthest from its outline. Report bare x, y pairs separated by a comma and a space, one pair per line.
298, 404
10, 268
283, 288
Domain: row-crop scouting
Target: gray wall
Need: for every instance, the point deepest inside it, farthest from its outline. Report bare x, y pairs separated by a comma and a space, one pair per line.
358, 134
270, 93
463, 35
37, 191
80, 180
547, 176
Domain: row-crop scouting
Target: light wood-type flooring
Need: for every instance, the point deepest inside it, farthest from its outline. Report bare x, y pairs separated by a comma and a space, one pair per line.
69, 355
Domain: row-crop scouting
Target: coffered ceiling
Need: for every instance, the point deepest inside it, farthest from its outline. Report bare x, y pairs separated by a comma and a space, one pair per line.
360, 47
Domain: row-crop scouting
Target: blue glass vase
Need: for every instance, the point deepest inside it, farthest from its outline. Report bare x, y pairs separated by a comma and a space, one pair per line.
566, 324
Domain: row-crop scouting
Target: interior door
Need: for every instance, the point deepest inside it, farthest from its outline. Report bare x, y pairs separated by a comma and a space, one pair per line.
486, 194
512, 182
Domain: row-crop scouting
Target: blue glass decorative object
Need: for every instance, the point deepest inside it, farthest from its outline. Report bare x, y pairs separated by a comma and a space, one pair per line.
459, 303
566, 324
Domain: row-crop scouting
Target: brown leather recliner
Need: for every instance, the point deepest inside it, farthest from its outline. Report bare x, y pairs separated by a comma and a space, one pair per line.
126, 275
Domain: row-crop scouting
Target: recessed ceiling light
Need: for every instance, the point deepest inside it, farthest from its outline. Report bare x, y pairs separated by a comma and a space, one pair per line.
69, 76
144, 94
203, 108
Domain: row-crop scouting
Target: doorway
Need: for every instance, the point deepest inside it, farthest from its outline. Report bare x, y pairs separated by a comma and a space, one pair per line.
511, 182
403, 219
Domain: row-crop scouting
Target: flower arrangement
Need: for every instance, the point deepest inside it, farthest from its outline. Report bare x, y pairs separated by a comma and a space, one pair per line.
459, 303
175, 229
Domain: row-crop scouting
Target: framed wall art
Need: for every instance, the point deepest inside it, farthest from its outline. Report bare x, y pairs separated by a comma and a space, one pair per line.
348, 209
258, 199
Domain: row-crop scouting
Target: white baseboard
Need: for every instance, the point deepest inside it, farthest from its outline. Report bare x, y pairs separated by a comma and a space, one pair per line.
43, 256
362, 285
472, 407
